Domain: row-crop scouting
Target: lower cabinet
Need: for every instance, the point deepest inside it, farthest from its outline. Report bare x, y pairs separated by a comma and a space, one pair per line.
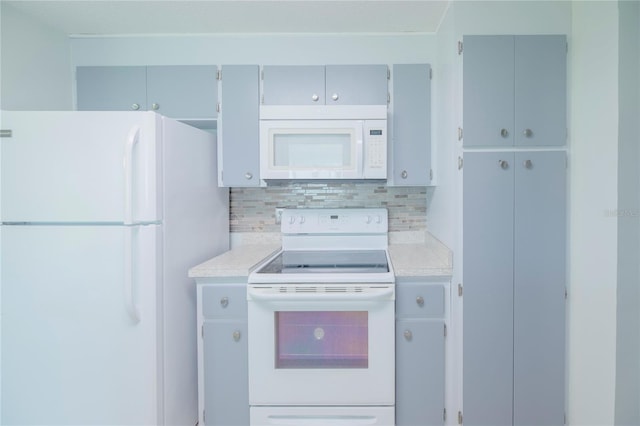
223, 380
420, 352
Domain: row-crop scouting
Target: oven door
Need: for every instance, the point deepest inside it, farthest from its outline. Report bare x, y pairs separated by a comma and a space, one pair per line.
328, 345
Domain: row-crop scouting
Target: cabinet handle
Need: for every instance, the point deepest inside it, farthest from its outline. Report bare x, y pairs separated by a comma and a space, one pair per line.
408, 336
527, 133
527, 164
504, 164
334, 96
236, 336
135, 107
224, 302
420, 301
404, 174
248, 176
504, 133
155, 107
315, 97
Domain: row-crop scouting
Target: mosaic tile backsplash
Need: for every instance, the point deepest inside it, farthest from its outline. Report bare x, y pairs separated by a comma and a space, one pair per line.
253, 209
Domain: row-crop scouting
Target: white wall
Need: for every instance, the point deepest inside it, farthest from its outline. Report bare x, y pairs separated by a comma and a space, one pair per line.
252, 49
628, 291
593, 53
35, 69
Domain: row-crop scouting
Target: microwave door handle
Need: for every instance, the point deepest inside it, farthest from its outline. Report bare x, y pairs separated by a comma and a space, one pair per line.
361, 152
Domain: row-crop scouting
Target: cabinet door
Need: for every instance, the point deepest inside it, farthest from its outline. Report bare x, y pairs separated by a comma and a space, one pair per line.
488, 186
111, 88
539, 280
238, 130
356, 84
540, 90
226, 377
186, 92
419, 372
488, 86
411, 125
293, 85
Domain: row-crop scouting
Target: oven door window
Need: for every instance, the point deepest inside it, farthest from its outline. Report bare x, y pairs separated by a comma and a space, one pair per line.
322, 339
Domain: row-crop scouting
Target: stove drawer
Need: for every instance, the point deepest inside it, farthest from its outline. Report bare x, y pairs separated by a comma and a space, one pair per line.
224, 300
418, 299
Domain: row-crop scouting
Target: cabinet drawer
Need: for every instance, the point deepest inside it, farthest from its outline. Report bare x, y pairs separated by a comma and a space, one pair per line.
224, 301
419, 300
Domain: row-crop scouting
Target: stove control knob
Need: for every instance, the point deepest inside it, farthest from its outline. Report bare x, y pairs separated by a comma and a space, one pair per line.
378, 220
367, 219
292, 220
301, 220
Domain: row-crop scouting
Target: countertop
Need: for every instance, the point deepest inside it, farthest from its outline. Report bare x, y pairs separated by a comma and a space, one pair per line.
412, 255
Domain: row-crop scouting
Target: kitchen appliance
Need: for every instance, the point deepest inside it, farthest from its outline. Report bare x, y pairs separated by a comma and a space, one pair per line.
102, 215
321, 321
323, 142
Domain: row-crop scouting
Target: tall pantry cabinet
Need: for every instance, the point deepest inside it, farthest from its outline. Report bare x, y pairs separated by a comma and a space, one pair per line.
514, 229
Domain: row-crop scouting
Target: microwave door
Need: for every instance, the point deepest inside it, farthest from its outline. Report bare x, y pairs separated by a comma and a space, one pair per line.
307, 149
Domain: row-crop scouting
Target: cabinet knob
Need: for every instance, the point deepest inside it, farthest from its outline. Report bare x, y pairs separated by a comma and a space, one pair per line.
404, 174
155, 107
420, 301
504, 133
248, 176
224, 302
334, 96
135, 107
236, 335
504, 164
527, 133
315, 97
408, 335
527, 164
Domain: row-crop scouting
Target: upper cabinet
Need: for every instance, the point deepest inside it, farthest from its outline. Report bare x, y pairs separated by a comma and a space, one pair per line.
181, 92
515, 91
320, 85
238, 130
411, 125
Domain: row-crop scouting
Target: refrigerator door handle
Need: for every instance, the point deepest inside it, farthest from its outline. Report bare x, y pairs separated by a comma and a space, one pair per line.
129, 280
132, 140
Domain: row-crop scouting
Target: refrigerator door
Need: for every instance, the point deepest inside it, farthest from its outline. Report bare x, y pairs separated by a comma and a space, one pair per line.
80, 166
79, 337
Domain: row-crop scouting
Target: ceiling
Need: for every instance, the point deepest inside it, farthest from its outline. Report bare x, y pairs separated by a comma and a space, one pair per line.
109, 17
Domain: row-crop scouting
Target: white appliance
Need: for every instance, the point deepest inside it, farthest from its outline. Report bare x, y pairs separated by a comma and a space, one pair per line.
323, 142
102, 215
321, 327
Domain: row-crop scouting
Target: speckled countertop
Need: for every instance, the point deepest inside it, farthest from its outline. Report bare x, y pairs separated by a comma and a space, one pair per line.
412, 255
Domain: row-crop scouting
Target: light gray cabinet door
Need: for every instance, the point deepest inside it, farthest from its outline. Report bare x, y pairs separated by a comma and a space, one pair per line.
488, 79
488, 221
186, 92
514, 250
540, 90
539, 288
356, 84
411, 121
226, 380
514, 90
293, 85
238, 130
104, 88
419, 372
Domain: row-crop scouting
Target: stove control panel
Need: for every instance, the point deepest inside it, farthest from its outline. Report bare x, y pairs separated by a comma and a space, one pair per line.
334, 221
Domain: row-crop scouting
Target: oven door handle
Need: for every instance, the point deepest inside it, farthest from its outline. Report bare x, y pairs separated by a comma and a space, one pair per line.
369, 295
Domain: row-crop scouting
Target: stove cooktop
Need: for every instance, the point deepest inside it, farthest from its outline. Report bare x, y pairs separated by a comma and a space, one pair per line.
327, 262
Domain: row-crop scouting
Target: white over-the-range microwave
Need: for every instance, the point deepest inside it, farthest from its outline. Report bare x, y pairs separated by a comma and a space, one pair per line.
323, 142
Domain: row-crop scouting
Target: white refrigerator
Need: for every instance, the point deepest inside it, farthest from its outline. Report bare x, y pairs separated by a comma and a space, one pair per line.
102, 214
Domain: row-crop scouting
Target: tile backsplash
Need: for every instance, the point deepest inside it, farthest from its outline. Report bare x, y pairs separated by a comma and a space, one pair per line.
253, 209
